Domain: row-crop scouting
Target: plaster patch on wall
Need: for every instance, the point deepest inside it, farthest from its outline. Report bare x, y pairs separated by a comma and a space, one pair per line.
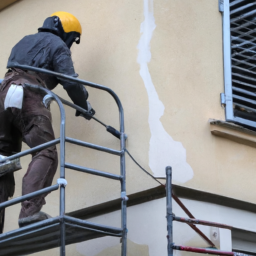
146, 225
163, 149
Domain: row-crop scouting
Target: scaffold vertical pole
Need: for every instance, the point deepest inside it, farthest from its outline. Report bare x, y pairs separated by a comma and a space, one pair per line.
123, 194
62, 176
169, 215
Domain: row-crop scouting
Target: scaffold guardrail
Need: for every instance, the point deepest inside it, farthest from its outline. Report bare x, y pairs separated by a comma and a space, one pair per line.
63, 229
171, 217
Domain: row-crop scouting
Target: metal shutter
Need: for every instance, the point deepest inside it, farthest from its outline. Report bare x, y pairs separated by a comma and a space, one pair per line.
239, 40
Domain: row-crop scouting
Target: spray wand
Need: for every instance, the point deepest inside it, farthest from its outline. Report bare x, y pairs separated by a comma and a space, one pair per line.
48, 98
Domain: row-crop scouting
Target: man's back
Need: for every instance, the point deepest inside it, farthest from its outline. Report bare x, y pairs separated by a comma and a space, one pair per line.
49, 51
38, 50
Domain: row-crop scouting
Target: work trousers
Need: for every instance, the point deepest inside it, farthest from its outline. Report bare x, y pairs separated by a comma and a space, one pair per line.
32, 125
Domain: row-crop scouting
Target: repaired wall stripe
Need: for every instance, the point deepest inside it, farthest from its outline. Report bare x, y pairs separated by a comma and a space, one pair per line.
163, 150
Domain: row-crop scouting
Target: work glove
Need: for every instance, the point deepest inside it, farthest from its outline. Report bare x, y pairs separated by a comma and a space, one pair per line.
90, 112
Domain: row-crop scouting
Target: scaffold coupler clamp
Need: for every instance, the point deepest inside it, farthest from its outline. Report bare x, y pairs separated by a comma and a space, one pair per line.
170, 245
125, 136
124, 196
62, 182
169, 212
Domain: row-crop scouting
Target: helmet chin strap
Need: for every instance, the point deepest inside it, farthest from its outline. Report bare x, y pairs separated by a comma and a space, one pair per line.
70, 38
69, 41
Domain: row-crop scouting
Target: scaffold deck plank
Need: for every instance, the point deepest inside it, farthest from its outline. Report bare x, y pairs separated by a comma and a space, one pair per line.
45, 235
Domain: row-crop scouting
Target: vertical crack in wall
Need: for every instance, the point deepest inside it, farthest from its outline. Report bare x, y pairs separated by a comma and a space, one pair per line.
163, 149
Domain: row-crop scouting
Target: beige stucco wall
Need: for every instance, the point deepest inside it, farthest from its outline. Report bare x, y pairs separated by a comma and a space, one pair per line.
185, 77
107, 55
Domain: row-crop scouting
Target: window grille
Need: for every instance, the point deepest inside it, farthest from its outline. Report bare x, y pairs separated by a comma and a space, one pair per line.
239, 40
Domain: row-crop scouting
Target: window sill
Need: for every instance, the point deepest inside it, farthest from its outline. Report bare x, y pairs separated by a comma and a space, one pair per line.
233, 132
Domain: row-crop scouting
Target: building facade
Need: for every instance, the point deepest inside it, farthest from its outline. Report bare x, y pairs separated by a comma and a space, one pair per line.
168, 62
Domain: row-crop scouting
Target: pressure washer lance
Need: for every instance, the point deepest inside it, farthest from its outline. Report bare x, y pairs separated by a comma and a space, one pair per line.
48, 99
9, 166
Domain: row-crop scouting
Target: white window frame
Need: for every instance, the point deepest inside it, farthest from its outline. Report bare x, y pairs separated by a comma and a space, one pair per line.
243, 242
227, 98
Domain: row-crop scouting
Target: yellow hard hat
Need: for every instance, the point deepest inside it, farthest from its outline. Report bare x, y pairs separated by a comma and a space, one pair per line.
69, 22
65, 25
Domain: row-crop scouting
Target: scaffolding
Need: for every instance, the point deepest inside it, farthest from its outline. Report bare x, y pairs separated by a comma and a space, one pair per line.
190, 221
63, 230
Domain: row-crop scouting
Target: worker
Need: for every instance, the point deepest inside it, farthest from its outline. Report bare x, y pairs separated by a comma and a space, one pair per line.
23, 116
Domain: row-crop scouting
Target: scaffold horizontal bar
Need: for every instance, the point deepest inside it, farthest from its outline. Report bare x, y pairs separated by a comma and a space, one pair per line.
29, 196
201, 222
9, 241
201, 250
32, 150
97, 147
92, 171
27, 229
113, 231
93, 230
80, 81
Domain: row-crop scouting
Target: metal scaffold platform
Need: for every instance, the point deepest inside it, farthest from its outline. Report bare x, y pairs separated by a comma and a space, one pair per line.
63, 230
45, 235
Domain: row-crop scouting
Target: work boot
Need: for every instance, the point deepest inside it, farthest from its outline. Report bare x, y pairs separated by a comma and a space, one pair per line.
39, 216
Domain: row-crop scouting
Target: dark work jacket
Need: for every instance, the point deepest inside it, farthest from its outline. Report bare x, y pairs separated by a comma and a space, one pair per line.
48, 51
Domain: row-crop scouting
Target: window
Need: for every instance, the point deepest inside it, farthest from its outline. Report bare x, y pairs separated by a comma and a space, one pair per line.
239, 253
239, 46
243, 242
